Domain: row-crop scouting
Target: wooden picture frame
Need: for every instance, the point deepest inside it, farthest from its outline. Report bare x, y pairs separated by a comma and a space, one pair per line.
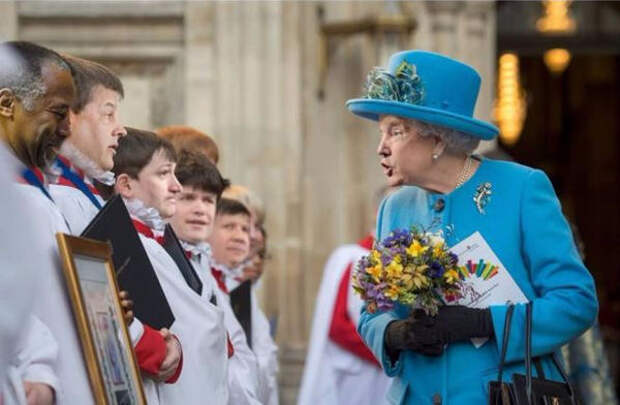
106, 345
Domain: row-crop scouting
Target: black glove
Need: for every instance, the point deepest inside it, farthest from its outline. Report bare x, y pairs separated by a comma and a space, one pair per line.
453, 324
399, 336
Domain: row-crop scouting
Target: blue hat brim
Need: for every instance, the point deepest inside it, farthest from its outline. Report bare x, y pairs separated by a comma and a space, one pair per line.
372, 109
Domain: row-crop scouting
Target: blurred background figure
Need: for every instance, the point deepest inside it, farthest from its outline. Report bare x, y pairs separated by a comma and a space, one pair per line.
187, 138
339, 368
253, 269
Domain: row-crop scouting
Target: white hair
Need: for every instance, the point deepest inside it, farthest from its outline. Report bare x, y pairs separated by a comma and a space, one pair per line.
21, 73
456, 141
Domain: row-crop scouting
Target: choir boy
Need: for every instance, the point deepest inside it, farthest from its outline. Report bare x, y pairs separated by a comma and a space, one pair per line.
193, 223
144, 167
230, 242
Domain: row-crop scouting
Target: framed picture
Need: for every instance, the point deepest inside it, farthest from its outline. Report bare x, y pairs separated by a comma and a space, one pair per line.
108, 354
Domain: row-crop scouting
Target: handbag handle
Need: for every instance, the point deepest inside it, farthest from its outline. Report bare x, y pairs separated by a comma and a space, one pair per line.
505, 340
528, 352
528, 359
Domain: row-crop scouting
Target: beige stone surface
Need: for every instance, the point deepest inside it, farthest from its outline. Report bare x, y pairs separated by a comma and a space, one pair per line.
8, 20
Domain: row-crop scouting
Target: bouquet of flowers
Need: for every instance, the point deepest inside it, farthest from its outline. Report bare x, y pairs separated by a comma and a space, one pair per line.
413, 268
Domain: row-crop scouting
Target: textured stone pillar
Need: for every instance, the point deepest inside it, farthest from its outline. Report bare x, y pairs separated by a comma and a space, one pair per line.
479, 29
199, 67
258, 125
8, 20
444, 26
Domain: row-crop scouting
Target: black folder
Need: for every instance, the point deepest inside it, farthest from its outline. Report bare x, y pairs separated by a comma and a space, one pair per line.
241, 302
175, 250
134, 271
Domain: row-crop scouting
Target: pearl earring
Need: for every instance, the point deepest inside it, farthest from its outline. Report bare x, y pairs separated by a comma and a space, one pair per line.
435, 156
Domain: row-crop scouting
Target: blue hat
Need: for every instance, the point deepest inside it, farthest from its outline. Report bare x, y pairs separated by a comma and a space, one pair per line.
428, 87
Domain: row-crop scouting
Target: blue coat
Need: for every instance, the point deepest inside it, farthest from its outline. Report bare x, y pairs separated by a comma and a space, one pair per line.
524, 225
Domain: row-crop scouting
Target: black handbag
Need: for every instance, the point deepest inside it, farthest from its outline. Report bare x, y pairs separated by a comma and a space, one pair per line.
525, 389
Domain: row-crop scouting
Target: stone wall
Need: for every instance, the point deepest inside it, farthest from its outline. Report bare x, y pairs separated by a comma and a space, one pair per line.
249, 74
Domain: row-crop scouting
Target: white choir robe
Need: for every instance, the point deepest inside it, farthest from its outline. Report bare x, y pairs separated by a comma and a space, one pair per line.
242, 366
263, 346
199, 326
333, 375
34, 361
19, 267
77, 209
52, 303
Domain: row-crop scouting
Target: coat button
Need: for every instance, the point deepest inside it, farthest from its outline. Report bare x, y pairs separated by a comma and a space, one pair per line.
436, 399
439, 205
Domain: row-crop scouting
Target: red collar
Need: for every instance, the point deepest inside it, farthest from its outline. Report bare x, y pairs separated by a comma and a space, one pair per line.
367, 242
144, 229
63, 181
219, 278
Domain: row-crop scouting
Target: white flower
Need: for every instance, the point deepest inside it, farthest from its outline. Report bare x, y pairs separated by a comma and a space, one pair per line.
434, 239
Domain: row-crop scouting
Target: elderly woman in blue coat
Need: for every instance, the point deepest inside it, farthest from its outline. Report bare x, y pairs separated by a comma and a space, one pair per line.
424, 104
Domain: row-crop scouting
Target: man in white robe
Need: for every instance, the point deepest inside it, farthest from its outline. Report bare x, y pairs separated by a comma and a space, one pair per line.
144, 167
28, 351
193, 223
87, 157
231, 245
34, 103
339, 369
33, 364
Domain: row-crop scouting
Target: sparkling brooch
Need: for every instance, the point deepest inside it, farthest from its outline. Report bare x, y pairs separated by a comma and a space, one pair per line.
482, 196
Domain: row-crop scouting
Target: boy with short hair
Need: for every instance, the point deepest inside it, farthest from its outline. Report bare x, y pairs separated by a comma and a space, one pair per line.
230, 243
144, 167
193, 223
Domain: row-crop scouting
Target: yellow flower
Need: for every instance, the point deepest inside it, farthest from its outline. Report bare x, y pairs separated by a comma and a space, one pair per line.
392, 292
407, 280
451, 276
421, 269
394, 269
416, 248
420, 281
438, 250
376, 255
375, 272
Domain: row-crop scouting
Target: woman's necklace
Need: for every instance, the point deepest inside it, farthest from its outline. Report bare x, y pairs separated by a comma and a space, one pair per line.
464, 175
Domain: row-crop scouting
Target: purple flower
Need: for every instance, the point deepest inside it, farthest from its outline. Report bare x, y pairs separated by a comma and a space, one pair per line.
386, 259
397, 238
436, 269
453, 258
364, 262
385, 305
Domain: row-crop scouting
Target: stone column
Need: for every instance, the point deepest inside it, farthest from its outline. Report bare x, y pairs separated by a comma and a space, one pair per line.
199, 73
480, 52
8, 20
444, 26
